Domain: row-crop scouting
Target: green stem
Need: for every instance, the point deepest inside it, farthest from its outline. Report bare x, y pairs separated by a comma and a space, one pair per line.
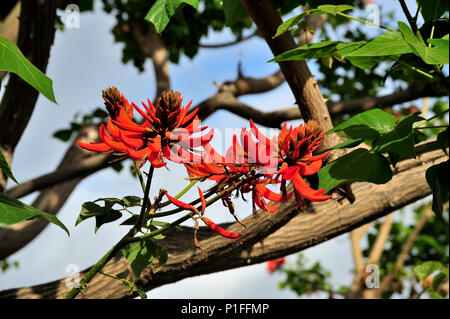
428, 75
431, 118
364, 21
427, 127
185, 217
99, 265
146, 197
116, 248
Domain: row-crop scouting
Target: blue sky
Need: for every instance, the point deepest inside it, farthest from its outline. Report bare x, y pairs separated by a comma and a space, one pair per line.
83, 62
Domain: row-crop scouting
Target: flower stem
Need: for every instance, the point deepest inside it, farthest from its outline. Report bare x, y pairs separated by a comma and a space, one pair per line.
146, 197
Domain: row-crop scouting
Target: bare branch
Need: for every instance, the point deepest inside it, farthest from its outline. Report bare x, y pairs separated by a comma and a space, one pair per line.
320, 222
227, 44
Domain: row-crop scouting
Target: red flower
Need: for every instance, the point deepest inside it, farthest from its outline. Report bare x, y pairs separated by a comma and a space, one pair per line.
275, 264
296, 146
165, 133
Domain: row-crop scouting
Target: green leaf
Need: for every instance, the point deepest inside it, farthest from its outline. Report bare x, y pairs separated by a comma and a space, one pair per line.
5, 167
162, 10
324, 9
12, 60
430, 55
234, 13
365, 62
438, 280
437, 179
131, 201
400, 140
309, 51
103, 214
63, 135
139, 255
13, 211
426, 268
345, 48
432, 10
331, 9
367, 125
346, 144
290, 23
359, 165
389, 43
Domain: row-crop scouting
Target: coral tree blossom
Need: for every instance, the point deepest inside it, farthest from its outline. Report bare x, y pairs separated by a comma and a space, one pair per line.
166, 132
251, 164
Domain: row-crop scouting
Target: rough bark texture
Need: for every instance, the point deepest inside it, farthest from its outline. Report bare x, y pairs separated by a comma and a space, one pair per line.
36, 34
320, 222
302, 83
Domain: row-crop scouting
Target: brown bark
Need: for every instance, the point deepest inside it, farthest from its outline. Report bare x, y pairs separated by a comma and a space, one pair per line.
264, 239
36, 33
9, 28
304, 88
50, 200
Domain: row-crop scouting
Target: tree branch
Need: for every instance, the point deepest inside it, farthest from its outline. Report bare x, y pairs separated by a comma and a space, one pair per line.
304, 88
262, 241
36, 34
54, 195
227, 44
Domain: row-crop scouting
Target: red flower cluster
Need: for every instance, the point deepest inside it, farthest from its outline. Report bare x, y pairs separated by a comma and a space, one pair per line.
165, 133
275, 264
250, 165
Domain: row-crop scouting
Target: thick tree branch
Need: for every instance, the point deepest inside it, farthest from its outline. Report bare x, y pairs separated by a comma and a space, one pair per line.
320, 222
304, 88
9, 28
150, 43
54, 195
36, 33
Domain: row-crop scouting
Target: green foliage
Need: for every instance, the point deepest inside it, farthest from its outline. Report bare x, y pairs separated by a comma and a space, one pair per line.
162, 10
142, 253
12, 60
5, 167
359, 165
106, 214
303, 279
235, 13
322, 9
432, 10
13, 211
376, 128
94, 118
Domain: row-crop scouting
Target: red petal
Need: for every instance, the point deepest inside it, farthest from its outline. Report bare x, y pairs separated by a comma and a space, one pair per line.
115, 145
267, 193
219, 230
318, 157
179, 203
288, 172
138, 155
97, 147
308, 192
202, 199
311, 168
131, 142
